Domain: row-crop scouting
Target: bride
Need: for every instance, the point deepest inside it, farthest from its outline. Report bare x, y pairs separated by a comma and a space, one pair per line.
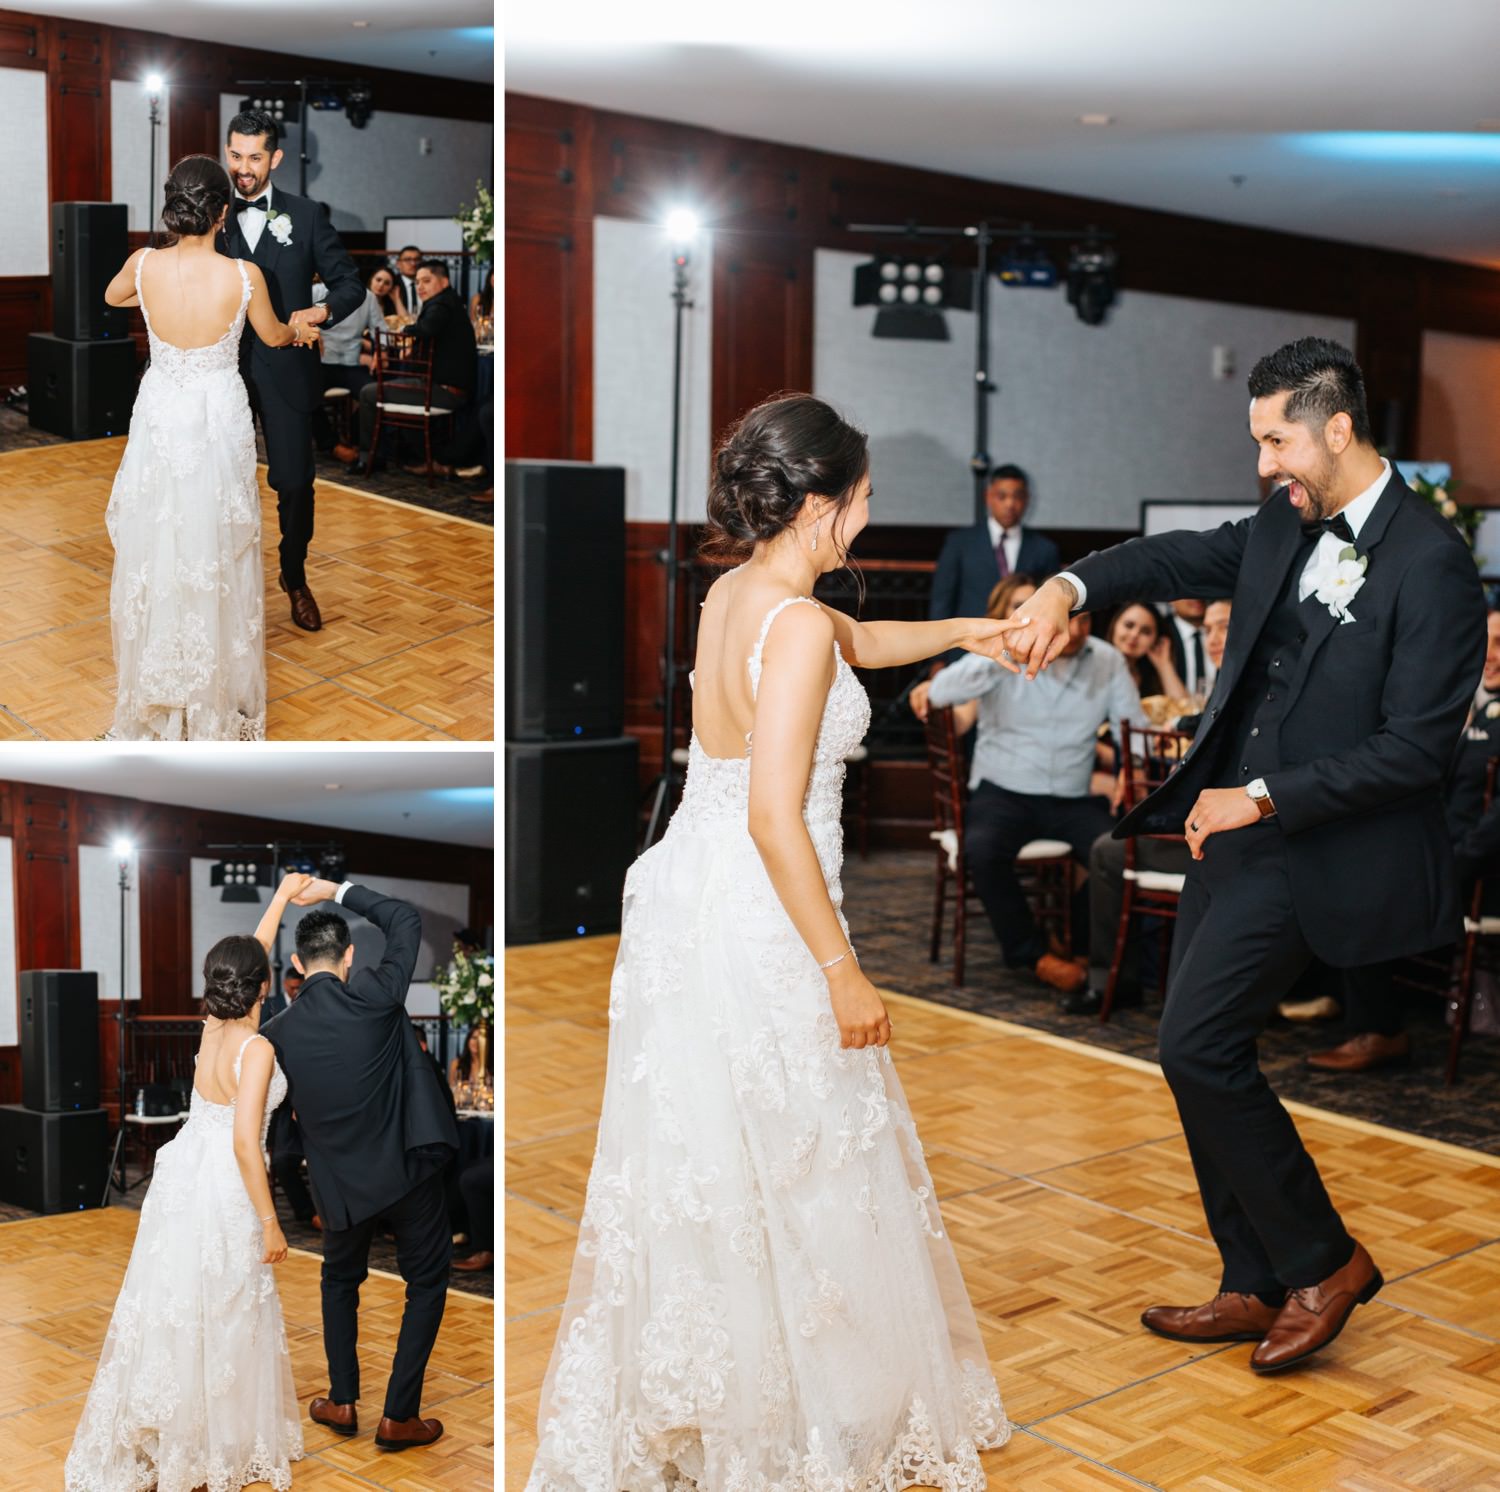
186, 600
764, 1298
194, 1385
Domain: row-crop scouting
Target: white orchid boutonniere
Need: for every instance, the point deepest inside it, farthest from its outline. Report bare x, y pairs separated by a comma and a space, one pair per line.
279, 225
1342, 584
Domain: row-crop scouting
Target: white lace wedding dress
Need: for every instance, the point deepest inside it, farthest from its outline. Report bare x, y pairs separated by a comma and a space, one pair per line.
194, 1385
763, 1298
186, 603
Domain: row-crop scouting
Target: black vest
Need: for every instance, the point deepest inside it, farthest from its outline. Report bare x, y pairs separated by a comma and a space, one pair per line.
1252, 740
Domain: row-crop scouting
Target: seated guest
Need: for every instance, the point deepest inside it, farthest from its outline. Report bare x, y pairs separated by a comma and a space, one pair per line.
482, 302
343, 366
1183, 626
1374, 1016
1033, 753
478, 1186
382, 285
1107, 871
1005, 601
1136, 632
408, 298
464, 1068
974, 559
454, 359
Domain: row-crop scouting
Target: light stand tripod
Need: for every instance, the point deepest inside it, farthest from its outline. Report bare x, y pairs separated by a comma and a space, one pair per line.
663, 789
117, 1160
154, 87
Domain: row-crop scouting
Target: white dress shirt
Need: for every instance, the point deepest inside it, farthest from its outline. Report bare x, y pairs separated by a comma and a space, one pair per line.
338, 895
1190, 680
253, 219
1012, 537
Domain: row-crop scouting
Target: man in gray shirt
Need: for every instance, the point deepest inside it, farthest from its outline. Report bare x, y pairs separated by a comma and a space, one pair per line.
1034, 752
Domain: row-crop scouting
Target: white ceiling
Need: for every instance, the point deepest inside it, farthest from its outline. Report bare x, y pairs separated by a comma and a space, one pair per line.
435, 794
1200, 94
450, 39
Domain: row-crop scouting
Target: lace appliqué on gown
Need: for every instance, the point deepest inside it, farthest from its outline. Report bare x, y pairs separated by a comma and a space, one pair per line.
194, 1385
186, 603
764, 1298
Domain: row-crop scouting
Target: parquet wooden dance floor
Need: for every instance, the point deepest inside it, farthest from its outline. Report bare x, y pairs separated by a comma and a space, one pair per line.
407, 647
58, 1281
1069, 1196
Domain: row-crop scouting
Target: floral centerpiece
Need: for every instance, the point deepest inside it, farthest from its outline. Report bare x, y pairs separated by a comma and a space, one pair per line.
477, 219
466, 988
1465, 520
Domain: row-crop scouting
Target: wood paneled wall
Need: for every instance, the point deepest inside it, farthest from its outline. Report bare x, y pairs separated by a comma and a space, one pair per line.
48, 825
81, 60
773, 205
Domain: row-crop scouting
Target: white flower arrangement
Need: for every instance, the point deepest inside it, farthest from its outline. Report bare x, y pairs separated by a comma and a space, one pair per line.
466, 987
1342, 584
478, 222
279, 225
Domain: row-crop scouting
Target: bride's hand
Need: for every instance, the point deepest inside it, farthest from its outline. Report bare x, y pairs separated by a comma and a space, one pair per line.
293, 884
275, 1241
983, 635
857, 1007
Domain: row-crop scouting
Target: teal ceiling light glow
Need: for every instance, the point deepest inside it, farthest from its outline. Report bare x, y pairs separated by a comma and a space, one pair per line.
1402, 147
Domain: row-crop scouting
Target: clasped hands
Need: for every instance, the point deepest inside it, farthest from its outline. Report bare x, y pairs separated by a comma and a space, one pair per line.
305, 890
306, 323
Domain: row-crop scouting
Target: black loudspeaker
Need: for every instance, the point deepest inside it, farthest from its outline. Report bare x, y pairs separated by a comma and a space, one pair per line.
564, 600
80, 390
89, 244
570, 828
59, 1039
53, 1162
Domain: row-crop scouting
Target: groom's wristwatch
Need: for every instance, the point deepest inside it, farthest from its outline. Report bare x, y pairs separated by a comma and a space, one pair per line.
1260, 795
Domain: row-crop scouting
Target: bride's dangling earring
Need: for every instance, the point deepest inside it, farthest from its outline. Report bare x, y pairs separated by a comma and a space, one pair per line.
816, 522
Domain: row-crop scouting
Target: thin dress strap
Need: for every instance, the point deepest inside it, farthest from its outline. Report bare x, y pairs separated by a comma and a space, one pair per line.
140, 298
753, 662
239, 1055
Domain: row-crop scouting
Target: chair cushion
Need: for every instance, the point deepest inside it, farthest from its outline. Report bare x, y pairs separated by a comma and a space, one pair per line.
336, 394
947, 841
1157, 880
1045, 849
1486, 926
857, 753
413, 409
680, 757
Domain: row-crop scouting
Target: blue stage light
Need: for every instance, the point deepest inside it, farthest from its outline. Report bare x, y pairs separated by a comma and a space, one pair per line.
1397, 147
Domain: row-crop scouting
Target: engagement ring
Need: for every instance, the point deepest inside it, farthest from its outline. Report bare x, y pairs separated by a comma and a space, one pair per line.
1193, 827
1005, 653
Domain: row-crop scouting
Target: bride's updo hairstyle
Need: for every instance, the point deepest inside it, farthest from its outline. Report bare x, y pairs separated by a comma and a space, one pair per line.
196, 193
233, 973
768, 463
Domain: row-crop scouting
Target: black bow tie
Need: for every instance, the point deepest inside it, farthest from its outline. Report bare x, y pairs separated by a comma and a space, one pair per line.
264, 203
1338, 524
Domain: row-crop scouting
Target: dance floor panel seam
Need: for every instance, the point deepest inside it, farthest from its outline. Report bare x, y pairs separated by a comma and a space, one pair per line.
1060, 1260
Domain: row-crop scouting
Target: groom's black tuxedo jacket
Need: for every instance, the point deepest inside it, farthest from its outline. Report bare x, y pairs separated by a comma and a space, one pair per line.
1362, 722
294, 373
369, 1104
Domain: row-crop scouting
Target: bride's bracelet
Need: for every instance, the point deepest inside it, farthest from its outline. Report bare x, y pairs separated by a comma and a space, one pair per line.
845, 954
267, 1218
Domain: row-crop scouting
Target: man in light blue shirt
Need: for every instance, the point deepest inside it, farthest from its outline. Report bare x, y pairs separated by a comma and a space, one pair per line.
1034, 753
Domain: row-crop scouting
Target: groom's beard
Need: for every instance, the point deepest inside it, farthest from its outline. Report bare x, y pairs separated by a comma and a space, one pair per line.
257, 184
1317, 487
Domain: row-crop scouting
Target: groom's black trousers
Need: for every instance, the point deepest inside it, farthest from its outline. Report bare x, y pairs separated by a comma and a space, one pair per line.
290, 469
424, 1250
1236, 952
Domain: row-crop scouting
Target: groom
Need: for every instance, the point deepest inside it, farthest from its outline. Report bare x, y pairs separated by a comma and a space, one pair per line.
290, 238
377, 1133
1311, 801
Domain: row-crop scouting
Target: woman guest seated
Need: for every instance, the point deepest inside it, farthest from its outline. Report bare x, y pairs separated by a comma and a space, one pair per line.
464, 1067
482, 302
1136, 632
382, 285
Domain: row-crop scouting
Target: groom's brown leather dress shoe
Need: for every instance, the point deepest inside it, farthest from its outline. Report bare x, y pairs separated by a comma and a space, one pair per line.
342, 1419
1228, 1317
1362, 1053
403, 1434
305, 611
1313, 1316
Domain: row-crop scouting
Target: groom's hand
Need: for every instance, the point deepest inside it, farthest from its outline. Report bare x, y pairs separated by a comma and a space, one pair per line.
310, 316
316, 891
1037, 631
1218, 810
293, 884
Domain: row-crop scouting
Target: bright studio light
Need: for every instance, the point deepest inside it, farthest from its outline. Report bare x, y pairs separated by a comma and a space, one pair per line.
682, 225
155, 82
124, 849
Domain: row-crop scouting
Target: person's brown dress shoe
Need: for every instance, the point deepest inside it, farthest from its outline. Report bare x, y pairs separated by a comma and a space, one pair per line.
305, 611
345, 454
1228, 1317
487, 496
1314, 1315
1061, 973
484, 1259
342, 1419
403, 1434
438, 470
1361, 1053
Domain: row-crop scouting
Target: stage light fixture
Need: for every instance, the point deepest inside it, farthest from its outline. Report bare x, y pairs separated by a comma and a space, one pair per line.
1091, 281
155, 83
911, 295
682, 225
123, 849
1025, 266
359, 104
240, 879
